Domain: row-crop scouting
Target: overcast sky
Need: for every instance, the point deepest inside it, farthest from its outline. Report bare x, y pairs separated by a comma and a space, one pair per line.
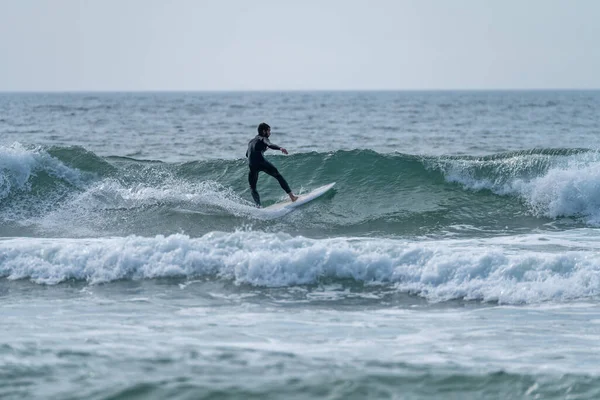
74, 45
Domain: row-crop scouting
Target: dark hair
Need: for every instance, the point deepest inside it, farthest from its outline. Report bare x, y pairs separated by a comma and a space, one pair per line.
263, 128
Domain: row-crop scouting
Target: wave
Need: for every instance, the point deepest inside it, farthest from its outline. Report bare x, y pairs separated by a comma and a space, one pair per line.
20, 166
379, 194
551, 182
508, 270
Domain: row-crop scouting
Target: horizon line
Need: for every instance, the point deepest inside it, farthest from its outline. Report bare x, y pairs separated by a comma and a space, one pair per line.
53, 91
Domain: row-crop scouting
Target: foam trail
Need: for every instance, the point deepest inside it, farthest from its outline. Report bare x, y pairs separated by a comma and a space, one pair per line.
87, 212
512, 270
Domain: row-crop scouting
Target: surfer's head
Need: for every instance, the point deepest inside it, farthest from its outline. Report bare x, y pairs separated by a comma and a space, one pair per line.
264, 130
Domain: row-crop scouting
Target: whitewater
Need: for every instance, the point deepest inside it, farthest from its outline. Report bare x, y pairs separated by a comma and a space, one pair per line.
458, 254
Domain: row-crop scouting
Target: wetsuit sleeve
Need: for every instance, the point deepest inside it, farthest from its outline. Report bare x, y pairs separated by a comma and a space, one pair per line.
271, 145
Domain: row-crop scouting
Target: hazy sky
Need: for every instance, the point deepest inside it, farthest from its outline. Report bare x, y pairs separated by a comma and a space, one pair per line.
298, 44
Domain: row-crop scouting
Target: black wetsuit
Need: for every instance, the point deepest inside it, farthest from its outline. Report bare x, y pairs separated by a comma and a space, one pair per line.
257, 163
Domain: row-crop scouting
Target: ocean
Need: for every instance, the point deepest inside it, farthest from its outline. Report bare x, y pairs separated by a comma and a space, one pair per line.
457, 257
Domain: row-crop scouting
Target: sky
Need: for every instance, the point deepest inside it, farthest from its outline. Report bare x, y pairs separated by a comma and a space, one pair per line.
189, 45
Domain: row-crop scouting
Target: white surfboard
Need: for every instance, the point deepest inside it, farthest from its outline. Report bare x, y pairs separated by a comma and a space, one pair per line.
280, 209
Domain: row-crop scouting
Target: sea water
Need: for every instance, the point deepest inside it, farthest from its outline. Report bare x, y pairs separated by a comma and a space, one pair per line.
458, 255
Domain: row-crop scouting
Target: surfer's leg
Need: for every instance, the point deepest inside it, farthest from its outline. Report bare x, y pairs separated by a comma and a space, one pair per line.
252, 180
271, 170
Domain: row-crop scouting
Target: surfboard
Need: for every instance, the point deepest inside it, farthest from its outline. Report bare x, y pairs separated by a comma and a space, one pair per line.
280, 209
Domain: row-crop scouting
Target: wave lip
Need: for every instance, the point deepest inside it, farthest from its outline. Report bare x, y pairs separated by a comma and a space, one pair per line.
551, 183
19, 164
510, 270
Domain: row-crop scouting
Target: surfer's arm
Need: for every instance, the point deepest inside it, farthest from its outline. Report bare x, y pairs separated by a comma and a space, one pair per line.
271, 145
274, 146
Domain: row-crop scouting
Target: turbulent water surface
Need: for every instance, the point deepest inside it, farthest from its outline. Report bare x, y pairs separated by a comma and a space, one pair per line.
458, 255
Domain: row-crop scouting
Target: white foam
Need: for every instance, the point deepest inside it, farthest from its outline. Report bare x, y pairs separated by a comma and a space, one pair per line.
565, 192
18, 164
569, 187
512, 270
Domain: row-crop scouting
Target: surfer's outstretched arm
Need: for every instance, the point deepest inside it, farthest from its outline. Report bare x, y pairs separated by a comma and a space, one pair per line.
274, 146
270, 145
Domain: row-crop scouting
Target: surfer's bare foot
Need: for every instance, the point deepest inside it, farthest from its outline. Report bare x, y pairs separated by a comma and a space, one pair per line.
292, 197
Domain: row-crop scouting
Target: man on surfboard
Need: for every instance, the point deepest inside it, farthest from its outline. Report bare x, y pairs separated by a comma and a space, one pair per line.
258, 163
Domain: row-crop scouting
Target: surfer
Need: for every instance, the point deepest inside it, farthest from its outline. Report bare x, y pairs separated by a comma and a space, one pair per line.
258, 163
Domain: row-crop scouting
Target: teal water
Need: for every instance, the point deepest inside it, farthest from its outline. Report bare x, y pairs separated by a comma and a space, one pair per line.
457, 257
70, 191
